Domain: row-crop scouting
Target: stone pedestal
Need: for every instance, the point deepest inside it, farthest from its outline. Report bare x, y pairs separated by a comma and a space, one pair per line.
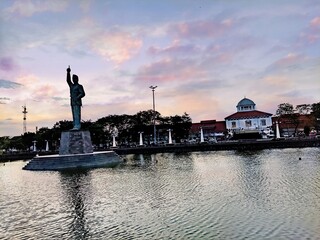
75, 142
75, 161
76, 152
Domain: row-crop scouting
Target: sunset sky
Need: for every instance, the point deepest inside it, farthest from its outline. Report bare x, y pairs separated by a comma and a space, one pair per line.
204, 56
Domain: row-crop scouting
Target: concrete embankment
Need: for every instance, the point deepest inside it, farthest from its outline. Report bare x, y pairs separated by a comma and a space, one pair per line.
228, 145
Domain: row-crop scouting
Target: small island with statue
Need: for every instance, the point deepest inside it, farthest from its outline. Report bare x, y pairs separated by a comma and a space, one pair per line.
76, 150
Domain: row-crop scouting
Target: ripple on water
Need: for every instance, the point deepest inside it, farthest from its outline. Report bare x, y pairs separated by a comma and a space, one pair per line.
267, 194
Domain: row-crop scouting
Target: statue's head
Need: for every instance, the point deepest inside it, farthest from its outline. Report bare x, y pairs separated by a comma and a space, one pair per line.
75, 78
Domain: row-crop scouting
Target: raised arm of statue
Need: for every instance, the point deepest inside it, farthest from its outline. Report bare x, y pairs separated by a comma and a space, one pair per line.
69, 76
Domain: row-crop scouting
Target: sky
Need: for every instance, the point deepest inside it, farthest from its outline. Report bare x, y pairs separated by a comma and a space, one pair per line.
204, 56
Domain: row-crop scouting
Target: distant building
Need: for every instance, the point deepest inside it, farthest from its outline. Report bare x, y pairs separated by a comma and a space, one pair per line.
210, 128
291, 126
247, 119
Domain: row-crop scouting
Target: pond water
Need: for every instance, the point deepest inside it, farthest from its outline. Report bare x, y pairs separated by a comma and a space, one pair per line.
268, 194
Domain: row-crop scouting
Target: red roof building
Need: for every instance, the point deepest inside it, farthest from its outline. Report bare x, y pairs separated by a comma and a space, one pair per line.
248, 118
209, 128
290, 126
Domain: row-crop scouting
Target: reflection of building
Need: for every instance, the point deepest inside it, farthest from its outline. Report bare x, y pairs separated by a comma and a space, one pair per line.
248, 119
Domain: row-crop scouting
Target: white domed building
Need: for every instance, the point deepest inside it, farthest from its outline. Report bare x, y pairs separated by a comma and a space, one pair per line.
247, 119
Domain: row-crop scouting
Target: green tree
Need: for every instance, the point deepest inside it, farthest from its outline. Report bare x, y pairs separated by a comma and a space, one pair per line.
181, 126
27, 139
4, 143
284, 109
63, 125
16, 143
316, 113
285, 112
303, 108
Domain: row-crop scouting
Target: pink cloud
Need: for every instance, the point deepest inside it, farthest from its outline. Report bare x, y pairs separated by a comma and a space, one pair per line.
6, 64
115, 46
201, 29
27, 8
311, 33
289, 60
175, 48
315, 22
28, 80
169, 70
277, 81
194, 104
44, 92
312, 38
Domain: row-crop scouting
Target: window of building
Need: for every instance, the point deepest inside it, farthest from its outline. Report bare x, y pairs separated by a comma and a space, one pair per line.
233, 124
263, 122
248, 123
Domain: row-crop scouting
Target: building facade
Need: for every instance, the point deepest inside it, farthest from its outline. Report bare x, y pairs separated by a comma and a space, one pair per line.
247, 118
295, 124
210, 128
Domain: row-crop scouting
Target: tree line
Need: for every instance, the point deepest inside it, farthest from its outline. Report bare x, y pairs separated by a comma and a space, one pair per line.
125, 127
287, 112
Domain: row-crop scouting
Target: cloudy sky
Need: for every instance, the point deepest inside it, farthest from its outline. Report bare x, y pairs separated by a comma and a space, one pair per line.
204, 56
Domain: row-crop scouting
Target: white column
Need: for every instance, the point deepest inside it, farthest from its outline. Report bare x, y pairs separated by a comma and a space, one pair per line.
114, 141
170, 138
47, 145
201, 135
141, 139
34, 145
277, 130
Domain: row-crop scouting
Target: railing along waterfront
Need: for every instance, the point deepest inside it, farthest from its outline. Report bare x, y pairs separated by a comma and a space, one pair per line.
224, 145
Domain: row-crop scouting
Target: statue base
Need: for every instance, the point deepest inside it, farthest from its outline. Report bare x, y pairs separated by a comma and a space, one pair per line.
73, 161
75, 142
76, 152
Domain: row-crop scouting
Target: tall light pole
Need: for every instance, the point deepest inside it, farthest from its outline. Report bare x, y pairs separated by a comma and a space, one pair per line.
154, 116
24, 119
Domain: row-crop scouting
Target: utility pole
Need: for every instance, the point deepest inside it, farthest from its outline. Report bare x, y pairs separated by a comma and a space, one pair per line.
154, 116
24, 118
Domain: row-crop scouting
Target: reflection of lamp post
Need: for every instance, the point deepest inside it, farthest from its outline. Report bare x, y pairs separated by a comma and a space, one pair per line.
154, 115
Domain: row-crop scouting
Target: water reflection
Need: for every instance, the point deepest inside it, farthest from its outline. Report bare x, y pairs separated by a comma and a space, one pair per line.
141, 160
251, 173
268, 194
77, 189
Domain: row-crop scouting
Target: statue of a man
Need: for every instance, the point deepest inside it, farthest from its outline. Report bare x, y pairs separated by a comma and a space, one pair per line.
76, 93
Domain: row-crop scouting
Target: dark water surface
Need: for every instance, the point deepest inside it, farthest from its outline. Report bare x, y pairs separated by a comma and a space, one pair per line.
268, 194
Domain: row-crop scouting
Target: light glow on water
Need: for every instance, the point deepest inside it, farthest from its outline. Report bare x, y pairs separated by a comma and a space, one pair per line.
268, 194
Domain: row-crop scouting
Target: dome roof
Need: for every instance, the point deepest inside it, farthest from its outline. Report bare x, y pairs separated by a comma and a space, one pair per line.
245, 102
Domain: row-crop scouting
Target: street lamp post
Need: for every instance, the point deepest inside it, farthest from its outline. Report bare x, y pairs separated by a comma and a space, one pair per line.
154, 115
